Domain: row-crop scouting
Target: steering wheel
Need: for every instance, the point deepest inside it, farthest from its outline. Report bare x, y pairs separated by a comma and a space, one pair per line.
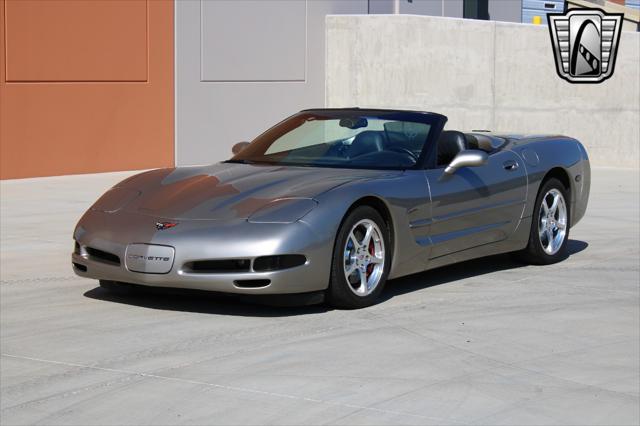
404, 151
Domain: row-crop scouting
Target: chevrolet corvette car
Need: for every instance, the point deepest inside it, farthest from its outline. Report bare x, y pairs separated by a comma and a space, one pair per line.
336, 202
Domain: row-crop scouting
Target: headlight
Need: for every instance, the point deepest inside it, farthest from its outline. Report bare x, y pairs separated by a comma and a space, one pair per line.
114, 199
284, 210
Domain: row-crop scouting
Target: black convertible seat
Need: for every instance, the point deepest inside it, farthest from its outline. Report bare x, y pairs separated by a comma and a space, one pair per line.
366, 142
450, 143
472, 141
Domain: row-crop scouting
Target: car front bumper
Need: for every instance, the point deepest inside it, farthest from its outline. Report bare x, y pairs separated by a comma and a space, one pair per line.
200, 240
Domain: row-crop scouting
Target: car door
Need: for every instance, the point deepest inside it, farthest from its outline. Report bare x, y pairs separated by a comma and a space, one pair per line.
476, 205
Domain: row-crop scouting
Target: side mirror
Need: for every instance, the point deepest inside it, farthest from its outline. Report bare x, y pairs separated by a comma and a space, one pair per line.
239, 147
467, 158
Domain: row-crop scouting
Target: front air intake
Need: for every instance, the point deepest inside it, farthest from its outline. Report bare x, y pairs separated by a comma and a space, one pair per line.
218, 266
251, 283
102, 256
276, 263
79, 267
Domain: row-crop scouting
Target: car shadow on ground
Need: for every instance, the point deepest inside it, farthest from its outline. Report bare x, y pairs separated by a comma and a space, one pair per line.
462, 270
207, 302
226, 304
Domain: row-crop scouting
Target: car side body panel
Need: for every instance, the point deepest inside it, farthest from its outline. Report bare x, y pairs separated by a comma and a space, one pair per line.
476, 205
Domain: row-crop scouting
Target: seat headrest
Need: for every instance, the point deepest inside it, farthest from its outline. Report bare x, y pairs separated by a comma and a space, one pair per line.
366, 142
472, 141
450, 143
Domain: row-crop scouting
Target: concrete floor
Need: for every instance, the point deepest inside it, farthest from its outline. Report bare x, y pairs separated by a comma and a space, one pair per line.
485, 342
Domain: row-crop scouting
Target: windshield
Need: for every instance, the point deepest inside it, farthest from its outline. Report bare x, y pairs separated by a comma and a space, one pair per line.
348, 140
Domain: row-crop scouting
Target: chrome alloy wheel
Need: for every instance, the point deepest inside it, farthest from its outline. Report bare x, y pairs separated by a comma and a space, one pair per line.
552, 223
364, 257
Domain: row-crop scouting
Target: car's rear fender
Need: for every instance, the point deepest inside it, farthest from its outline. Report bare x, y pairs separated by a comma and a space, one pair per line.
559, 156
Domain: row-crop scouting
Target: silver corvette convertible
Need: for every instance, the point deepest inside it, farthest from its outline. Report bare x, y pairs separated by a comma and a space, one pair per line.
336, 202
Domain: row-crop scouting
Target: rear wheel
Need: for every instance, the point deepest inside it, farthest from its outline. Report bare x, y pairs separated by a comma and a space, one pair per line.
361, 260
549, 225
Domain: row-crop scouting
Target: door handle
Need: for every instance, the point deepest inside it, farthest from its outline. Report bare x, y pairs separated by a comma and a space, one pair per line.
510, 165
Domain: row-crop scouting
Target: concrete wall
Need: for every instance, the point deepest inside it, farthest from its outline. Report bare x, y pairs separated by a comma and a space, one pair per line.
483, 75
244, 65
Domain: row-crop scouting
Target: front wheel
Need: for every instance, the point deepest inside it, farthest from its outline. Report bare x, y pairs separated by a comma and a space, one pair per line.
361, 260
549, 225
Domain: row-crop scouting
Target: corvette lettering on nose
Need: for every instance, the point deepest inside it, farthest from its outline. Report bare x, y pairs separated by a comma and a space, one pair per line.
142, 257
149, 258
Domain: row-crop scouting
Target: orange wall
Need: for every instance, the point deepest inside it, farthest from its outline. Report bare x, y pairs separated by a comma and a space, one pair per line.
85, 86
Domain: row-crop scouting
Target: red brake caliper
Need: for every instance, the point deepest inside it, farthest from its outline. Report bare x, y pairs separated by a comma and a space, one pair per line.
372, 253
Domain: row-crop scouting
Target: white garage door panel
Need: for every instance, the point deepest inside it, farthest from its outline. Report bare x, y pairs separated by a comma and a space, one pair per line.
253, 40
243, 65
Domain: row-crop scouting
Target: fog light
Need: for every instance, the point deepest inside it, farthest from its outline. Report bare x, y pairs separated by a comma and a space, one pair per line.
275, 263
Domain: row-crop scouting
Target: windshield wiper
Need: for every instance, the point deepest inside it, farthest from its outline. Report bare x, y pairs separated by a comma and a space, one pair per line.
239, 162
266, 163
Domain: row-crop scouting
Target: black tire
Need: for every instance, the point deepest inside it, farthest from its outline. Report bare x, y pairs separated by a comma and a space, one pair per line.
534, 252
117, 288
339, 293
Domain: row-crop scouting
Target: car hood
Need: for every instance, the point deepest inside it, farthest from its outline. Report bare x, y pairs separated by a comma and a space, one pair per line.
222, 191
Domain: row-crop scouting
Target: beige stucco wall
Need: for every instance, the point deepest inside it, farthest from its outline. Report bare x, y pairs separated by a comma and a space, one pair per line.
483, 75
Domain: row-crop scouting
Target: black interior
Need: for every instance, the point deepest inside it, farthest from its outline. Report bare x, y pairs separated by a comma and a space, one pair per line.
390, 147
366, 142
450, 143
397, 146
390, 139
370, 148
